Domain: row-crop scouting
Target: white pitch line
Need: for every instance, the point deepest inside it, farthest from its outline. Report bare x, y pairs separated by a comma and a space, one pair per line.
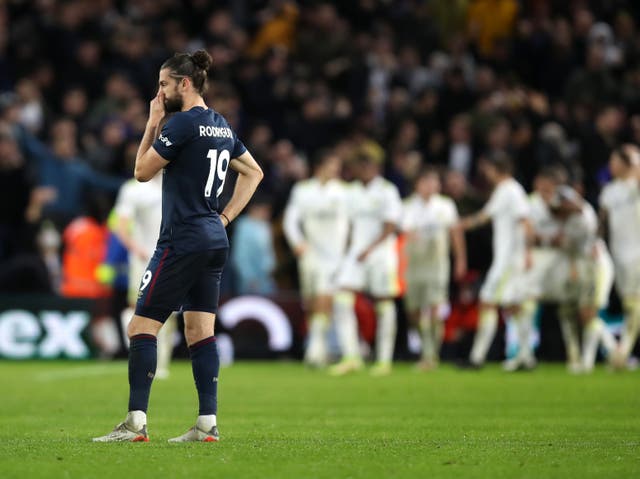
80, 372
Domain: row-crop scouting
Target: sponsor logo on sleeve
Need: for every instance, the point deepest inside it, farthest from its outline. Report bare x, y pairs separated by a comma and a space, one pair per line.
165, 140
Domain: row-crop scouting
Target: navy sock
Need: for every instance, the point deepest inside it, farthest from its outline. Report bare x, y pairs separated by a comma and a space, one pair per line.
143, 356
205, 363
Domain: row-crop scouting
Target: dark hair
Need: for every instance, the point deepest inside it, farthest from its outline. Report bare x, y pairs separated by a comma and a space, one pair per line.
321, 156
428, 170
556, 173
501, 161
194, 66
625, 155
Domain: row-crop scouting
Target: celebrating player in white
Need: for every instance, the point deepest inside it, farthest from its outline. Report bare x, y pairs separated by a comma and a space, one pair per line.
138, 210
371, 266
549, 276
428, 218
591, 276
508, 210
316, 224
620, 210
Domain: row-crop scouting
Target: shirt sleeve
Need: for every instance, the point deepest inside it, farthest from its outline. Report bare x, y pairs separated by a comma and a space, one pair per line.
393, 208
407, 223
494, 205
603, 201
238, 148
125, 202
291, 222
175, 133
521, 206
452, 215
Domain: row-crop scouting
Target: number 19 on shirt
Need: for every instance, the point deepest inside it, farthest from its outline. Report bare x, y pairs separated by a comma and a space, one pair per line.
218, 164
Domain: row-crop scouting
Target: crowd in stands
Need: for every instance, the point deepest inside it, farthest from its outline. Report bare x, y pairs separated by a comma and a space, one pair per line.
440, 82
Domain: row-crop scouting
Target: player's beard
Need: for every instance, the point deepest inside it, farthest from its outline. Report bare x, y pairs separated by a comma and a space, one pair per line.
172, 105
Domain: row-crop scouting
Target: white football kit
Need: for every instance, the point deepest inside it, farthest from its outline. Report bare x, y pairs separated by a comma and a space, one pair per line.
592, 277
141, 203
547, 278
428, 225
621, 200
507, 207
317, 216
371, 206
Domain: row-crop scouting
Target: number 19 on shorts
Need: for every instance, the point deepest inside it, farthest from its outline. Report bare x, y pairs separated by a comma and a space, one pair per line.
219, 164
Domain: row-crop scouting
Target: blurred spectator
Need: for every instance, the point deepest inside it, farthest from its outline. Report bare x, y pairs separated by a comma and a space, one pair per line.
594, 84
490, 21
598, 141
32, 113
15, 197
278, 28
435, 82
85, 248
252, 255
460, 156
60, 169
21, 269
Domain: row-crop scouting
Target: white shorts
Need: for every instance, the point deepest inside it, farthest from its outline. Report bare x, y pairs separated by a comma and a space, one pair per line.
547, 278
423, 292
317, 276
627, 280
377, 275
593, 283
503, 285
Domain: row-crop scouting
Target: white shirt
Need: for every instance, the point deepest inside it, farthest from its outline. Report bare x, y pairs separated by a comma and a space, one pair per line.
371, 206
507, 206
581, 232
431, 221
317, 214
621, 200
546, 226
141, 203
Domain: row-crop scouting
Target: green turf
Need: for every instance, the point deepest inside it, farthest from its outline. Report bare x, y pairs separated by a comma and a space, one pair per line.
280, 420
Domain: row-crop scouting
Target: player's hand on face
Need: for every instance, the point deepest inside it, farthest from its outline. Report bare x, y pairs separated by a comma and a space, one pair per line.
156, 108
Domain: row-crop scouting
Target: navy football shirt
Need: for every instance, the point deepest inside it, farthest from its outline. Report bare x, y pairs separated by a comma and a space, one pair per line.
199, 144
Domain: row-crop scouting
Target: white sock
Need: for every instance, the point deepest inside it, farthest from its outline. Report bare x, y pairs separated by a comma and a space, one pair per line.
630, 328
428, 346
590, 342
607, 340
524, 325
165, 342
317, 343
136, 419
569, 329
487, 327
437, 332
386, 330
205, 423
347, 325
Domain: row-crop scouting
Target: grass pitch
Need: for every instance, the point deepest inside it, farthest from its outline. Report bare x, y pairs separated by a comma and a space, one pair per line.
279, 420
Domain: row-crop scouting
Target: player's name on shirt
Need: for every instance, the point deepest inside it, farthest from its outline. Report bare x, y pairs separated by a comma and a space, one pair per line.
215, 131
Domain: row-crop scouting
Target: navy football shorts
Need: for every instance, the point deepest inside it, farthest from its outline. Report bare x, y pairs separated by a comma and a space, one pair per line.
180, 282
